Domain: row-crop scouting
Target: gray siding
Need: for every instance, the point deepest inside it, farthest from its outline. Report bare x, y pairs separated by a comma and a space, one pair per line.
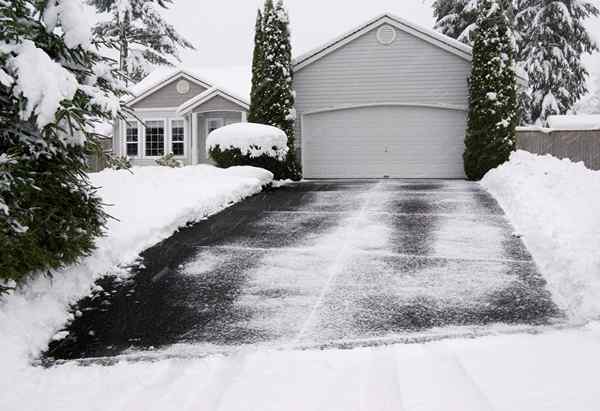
576, 145
410, 70
168, 96
218, 103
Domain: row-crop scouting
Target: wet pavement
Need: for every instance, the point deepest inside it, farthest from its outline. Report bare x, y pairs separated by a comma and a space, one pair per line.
316, 263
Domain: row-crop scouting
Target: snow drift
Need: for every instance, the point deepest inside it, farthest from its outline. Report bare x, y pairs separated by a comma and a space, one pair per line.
148, 206
251, 139
555, 205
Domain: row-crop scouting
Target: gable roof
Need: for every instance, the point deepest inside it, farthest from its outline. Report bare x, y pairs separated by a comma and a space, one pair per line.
163, 77
209, 94
429, 35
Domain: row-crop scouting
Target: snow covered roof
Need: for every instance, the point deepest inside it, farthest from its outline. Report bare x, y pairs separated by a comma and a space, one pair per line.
575, 122
236, 78
207, 95
429, 35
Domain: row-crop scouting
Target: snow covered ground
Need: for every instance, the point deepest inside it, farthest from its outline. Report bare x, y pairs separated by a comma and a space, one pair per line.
555, 205
148, 206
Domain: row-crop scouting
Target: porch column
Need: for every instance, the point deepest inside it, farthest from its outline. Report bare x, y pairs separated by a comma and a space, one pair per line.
244, 117
194, 119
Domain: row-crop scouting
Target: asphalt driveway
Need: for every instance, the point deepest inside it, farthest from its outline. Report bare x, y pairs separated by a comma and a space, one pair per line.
317, 264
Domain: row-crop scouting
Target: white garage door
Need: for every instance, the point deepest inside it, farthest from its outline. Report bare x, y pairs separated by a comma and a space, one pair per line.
380, 141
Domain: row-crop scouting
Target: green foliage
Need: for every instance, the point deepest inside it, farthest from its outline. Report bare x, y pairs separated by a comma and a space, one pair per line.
118, 162
139, 34
49, 212
272, 97
169, 160
493, 111
234, 157
552, 44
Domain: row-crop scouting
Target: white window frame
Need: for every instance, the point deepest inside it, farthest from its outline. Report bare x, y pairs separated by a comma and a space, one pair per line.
185, 136
139, 137
166, 139
221, 121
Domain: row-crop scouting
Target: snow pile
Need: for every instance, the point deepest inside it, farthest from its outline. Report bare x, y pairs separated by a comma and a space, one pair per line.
575, 122
43, 82
149, 206
555, 205
75, 21
252, 139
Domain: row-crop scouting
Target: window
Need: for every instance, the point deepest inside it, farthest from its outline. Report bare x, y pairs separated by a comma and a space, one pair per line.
177, 137
155, 138
212, 124
131, 138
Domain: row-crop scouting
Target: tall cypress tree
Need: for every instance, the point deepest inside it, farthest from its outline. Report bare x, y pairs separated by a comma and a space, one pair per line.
492, 92
553, 42
140, 35
273, 97
255, 114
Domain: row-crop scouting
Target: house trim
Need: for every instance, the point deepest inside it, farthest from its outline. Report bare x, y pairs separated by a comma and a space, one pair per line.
387, 104
208, 95
449, 44
163, 83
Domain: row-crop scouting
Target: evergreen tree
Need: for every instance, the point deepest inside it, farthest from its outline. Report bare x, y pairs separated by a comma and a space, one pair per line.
553, 41
590, 103
273, 97
492, 92
54, 87
456, 18
255, 114
140, 34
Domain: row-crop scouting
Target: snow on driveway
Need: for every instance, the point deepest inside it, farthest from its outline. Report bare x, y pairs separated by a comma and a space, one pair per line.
321, 264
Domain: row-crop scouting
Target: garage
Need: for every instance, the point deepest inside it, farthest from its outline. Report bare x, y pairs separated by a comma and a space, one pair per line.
384, 140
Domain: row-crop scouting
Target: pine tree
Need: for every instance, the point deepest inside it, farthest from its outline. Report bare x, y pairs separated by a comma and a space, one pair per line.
492, 92
140, 34
590, 103
273, 97
553, 41
54, 87
456, 18
255, 114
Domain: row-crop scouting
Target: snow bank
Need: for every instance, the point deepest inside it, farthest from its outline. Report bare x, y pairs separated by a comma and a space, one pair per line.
251, 138
555, 205
575, 122
149, 206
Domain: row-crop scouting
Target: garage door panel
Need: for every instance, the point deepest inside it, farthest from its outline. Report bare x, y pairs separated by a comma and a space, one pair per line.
394, 141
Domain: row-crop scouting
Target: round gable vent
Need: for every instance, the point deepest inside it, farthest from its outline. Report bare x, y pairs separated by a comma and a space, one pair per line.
183, 87
386, 35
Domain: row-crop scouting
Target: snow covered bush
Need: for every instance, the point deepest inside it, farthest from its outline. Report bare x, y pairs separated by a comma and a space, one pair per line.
54, 89
493, 113
249, 144
555, 205
118, 162
169, 160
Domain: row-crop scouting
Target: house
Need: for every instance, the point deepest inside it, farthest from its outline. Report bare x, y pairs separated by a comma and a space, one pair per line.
387, 99
173, 114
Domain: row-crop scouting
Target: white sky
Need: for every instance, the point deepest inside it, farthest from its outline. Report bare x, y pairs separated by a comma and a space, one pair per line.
223, 30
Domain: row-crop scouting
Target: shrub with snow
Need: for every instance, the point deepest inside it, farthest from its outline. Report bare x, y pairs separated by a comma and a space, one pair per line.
118, 162
555, 205
249, 144
169, 160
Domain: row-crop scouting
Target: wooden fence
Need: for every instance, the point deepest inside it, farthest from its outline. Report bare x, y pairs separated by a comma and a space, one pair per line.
97, 160
576, 145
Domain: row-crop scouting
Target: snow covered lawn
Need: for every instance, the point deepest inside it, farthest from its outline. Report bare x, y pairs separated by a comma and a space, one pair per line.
148, 206
555, 205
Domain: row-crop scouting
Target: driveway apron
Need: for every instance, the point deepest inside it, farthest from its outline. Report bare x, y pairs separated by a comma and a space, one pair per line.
318, 264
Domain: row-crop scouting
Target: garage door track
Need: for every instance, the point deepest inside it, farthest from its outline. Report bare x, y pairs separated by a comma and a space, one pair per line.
317, 264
